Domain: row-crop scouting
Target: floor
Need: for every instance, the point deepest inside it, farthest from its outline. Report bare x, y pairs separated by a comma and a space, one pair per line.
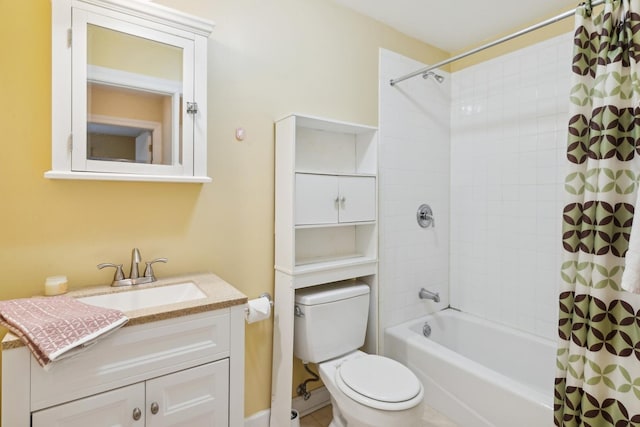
319, 418
322, 418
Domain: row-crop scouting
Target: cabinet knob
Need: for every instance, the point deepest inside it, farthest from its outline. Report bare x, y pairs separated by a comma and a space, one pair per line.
137, 413
155, 408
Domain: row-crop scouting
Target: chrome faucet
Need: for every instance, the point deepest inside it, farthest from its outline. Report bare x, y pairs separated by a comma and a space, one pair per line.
136, 259
134, 274
425, 294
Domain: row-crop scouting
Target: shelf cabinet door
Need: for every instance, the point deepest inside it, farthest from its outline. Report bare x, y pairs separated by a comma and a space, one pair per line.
330, 199
109, 409
357, 199
194, 397
316, 200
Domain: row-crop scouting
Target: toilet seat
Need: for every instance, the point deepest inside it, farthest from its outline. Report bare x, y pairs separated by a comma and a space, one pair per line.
379, 382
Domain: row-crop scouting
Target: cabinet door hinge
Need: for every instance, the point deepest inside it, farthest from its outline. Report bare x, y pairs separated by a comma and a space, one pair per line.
70, 142
69, 37
192, 107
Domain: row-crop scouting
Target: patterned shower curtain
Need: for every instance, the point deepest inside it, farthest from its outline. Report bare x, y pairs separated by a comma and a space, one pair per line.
598, 364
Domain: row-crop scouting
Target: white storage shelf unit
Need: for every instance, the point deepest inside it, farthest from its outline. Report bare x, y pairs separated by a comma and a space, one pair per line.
326, 195
326, 227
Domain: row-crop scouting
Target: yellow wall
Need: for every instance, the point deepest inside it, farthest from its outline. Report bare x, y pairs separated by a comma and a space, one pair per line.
553, 30
266, 59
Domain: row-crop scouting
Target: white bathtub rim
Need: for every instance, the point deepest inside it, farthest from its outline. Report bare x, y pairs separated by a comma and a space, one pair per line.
405, 332
450, 312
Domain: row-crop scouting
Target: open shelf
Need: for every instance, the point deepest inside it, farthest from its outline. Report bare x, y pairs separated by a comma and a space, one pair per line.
324, 172
331, 246
324, 263
340, 224
335, 148
333, 270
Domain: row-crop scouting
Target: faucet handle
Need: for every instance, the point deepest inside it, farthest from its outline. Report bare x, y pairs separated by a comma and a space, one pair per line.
119, 274
148, 271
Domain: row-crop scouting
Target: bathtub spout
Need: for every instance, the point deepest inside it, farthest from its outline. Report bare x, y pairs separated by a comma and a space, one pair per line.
425, 294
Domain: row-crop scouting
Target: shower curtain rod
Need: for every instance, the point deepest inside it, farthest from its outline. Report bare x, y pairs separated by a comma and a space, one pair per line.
493, 43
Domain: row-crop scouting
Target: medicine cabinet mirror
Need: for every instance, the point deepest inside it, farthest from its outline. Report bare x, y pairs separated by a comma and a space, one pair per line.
129, 92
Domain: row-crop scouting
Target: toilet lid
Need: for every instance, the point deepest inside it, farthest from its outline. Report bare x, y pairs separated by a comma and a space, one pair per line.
380, 378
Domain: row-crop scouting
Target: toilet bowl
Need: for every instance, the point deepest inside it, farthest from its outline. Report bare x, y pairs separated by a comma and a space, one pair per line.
366, 390
372, 391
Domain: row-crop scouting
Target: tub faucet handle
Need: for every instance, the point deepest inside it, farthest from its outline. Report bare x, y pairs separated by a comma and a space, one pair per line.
425, 216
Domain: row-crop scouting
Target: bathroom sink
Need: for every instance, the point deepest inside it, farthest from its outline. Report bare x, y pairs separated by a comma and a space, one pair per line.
136, 299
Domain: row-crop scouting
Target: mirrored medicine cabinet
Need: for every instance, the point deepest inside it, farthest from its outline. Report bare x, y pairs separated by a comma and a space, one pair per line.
129, 92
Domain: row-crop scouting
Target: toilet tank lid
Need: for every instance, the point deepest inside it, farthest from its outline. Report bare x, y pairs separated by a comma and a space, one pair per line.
332, 292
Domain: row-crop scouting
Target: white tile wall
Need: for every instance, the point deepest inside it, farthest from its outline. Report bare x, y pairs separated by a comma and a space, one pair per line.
413, 169
508, 137
486, 150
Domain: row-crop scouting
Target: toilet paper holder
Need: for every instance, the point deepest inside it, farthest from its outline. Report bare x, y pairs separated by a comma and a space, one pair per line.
266, 295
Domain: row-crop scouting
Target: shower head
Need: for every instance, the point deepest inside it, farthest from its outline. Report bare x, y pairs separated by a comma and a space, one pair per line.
428, 74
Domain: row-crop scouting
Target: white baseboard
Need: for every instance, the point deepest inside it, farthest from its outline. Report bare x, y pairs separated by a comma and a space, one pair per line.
320, 398
259, 419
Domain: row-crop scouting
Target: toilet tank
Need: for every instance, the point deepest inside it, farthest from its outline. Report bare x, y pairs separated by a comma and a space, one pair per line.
330, 320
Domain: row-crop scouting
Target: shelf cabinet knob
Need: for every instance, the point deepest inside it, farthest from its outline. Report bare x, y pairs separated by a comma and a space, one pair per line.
155, 408
137, 413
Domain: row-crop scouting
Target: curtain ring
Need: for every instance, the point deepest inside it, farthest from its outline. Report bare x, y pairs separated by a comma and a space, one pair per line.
587, 7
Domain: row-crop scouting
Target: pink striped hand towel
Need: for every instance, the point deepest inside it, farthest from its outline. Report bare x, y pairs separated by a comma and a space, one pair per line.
56, 327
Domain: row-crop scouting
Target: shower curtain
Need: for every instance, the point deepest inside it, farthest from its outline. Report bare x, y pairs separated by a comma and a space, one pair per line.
598, 364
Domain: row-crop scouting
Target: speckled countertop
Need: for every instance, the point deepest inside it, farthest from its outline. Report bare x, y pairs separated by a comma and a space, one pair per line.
219, 294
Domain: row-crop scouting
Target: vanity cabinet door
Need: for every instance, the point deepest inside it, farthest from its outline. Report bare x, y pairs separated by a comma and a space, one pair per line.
110, 409
194, 397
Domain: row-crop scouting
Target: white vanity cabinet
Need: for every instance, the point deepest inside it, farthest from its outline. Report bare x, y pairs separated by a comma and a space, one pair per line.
196, 397
179, 371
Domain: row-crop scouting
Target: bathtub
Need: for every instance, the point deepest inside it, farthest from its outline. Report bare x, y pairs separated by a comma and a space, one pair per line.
476, 372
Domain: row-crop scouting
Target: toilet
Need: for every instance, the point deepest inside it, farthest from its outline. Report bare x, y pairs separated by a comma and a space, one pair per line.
366, 390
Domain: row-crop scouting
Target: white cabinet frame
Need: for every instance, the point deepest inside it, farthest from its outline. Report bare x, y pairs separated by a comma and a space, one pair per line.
146, 19
319, 237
